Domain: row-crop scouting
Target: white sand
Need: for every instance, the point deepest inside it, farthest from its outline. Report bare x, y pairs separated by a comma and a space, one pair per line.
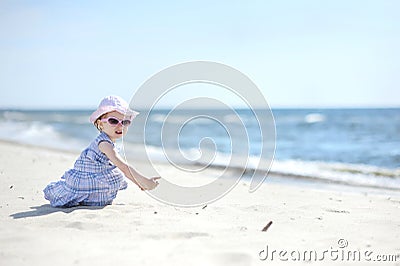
138, 230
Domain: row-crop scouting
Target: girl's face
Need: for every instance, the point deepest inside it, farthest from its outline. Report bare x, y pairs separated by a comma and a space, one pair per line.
108, 126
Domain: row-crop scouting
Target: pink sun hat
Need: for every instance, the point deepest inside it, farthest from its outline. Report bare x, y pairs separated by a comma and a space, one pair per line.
113, 103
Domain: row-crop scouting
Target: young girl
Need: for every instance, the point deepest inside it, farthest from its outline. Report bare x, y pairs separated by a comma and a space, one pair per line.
99, 171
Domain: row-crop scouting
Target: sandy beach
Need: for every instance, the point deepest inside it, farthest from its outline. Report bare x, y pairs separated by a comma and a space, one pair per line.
138, 230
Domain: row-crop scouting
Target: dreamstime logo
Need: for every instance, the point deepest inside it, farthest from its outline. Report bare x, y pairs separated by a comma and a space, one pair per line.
341, 253
205, 109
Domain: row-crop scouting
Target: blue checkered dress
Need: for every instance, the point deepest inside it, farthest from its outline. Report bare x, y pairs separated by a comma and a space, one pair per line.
94, 180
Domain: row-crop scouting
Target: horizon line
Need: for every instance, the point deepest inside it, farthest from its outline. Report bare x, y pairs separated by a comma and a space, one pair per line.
277, 107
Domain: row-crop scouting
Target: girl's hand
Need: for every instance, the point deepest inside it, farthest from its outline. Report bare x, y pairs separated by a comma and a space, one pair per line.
149, 184
143, 182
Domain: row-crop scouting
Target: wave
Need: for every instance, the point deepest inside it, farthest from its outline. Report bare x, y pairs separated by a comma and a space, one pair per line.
314, 118
178, 119
39, 134
358, 175
355, 137
44, 117
344, 173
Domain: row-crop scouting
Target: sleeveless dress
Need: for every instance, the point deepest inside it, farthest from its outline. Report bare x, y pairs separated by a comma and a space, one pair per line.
94, 180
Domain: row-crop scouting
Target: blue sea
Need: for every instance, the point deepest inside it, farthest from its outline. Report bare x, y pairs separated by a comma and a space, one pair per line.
356, 147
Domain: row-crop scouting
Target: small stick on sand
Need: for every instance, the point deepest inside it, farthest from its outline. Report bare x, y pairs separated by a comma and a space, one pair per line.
267, 226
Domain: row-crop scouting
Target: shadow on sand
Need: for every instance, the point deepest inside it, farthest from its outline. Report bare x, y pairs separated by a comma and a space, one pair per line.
47, 209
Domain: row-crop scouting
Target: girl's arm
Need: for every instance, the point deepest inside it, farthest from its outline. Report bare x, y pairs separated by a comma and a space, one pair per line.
140, 180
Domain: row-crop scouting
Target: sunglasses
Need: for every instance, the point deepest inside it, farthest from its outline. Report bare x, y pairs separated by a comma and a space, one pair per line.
113, 121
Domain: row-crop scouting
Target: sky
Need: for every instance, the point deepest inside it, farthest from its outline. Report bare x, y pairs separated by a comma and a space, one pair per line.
70, 54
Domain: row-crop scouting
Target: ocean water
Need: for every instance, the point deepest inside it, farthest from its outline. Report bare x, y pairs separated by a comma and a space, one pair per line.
358, 147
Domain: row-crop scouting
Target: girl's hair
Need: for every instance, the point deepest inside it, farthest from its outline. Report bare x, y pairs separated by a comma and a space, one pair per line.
96, 123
